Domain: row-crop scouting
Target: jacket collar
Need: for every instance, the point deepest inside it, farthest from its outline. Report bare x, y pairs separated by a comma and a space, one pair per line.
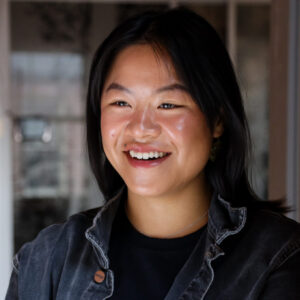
223, 221
99, 233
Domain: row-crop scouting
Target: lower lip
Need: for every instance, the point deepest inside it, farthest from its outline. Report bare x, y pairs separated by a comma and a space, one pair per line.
137, 163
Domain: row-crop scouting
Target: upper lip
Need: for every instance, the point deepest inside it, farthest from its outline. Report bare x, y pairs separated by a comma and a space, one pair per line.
143, 148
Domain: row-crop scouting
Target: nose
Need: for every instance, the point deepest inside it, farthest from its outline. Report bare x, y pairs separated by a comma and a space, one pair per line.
143, 124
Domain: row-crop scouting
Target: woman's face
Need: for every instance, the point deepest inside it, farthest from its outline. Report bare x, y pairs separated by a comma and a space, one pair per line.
146, 112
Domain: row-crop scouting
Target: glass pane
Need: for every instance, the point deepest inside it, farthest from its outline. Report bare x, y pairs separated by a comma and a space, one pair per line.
49, 83
50, 61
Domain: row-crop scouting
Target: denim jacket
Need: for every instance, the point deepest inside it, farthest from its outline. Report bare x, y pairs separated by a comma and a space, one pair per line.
248, 255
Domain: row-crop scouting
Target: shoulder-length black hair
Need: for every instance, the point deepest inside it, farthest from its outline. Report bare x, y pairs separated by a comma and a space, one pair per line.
203, 64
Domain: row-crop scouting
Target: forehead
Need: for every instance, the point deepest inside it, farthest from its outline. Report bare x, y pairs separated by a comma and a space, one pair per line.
141, 62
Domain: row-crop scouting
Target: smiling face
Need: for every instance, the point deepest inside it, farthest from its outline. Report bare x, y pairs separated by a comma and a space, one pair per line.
147, 112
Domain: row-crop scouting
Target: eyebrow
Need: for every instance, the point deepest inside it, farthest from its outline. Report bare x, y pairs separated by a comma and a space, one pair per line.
119, 87
171, 87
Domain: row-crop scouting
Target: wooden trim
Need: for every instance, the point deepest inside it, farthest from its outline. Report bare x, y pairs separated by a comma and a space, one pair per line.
232, 30
293, 123
278, 98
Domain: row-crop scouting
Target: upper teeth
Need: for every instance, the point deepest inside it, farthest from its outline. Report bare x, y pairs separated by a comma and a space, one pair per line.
140, 155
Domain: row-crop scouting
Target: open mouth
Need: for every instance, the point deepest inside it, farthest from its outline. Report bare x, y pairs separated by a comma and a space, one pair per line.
147, 156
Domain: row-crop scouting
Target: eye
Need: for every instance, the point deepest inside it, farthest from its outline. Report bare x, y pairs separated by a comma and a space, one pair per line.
120, 103
168, 106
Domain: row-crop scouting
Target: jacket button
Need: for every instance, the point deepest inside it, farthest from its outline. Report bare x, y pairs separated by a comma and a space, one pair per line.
99, 276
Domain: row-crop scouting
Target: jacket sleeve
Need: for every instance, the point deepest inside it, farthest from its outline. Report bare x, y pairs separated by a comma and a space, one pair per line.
284, 282
12, 292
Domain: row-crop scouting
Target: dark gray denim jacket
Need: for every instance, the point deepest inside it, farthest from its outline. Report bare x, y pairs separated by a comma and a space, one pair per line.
247, 256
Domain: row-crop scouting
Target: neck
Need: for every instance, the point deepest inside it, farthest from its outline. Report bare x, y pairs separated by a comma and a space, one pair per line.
174, 215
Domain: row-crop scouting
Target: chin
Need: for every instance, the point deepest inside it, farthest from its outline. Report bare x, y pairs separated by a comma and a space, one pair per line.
147, 191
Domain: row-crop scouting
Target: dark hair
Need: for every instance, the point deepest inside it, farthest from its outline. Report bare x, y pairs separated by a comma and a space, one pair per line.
203, 64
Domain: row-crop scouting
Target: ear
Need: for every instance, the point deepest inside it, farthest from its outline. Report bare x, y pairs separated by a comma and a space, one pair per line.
218, 129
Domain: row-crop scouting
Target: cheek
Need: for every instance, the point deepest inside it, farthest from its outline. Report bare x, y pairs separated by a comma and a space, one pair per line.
188, 128
108, 134
110, 125
112, 131
106, 129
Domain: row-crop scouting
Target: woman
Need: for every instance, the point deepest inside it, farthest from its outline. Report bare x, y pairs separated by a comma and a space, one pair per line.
167, 141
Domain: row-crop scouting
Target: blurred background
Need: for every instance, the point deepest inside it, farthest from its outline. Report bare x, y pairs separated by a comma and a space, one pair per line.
45, 54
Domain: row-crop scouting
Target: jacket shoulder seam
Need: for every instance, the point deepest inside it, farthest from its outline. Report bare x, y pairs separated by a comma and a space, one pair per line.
285, 254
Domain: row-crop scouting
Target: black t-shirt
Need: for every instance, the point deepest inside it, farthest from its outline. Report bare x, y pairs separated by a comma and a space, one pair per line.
144, 267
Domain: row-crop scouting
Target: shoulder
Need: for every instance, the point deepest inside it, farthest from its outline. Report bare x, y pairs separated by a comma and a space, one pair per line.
55, 238
57, 249
272, 236
272, 225
268, 229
